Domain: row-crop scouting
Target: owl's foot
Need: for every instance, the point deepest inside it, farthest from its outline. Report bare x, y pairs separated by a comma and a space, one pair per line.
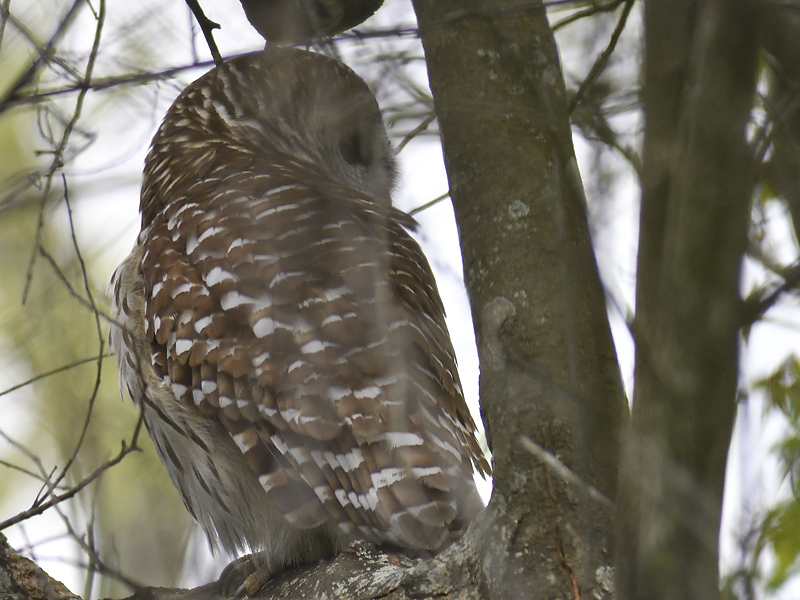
243, 577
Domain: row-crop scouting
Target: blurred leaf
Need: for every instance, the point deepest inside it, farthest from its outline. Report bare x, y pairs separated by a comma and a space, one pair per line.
783, 389
782, 533
767, 191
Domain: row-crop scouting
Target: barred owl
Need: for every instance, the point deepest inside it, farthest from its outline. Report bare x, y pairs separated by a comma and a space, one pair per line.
299, 21
282, 331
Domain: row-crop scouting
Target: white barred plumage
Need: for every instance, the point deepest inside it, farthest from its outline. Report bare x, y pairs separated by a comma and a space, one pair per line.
281, 329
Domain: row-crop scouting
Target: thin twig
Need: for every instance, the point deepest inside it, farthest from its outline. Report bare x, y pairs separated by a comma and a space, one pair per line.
587, 12
60, 274
45, 54
41, 507
55, 371
101, 350
4, 12
361, 35
106, 83
207, 26
95, 563
428, 204
416, 131
58, 154
41, 48
602, 60
43, 474
24, 471
760, 302
563, 471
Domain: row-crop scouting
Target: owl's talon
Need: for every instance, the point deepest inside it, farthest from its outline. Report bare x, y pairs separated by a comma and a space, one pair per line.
242, 578
253, 583
245, 576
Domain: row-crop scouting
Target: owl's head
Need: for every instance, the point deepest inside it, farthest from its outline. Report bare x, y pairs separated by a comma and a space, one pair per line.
271, 109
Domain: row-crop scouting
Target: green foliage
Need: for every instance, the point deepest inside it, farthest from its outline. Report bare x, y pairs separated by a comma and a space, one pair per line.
782, 533
780, 530
53, 327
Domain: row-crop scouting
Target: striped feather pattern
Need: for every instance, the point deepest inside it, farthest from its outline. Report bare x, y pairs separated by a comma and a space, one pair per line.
277, 300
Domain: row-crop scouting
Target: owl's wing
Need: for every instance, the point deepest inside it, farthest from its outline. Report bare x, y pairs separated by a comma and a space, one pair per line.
309, 324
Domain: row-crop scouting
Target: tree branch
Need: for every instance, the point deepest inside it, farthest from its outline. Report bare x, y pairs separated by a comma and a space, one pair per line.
207, 26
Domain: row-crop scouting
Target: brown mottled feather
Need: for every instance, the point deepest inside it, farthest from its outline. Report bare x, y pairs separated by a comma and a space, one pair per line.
275, 299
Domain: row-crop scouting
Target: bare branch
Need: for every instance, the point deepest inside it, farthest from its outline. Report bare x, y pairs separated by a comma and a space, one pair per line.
207, 26
55, 371
592, 10
762, 300
602, 60
45, 54
427, 205
58, 154
41, 507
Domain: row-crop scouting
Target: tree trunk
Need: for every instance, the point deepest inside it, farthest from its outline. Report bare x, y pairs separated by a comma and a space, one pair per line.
781, 39
699, 81
549, 374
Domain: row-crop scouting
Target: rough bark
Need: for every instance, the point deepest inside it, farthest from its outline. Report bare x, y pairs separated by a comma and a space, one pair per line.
22, 579
549, 374
699, 81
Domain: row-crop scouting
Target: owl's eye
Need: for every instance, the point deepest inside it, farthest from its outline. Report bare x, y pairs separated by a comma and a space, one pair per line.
354, 150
